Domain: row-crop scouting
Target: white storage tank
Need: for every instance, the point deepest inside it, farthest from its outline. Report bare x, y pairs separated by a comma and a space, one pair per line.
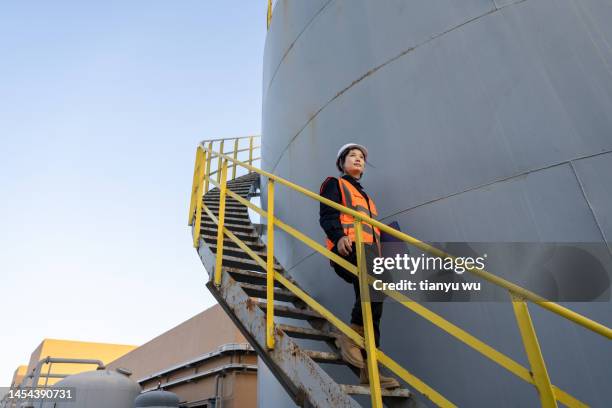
98, 389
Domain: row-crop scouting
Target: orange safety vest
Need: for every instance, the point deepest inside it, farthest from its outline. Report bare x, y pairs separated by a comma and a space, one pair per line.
353, 199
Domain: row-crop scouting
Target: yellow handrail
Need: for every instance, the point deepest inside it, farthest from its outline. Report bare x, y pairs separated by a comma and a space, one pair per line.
538, 376
269, 14
496, 280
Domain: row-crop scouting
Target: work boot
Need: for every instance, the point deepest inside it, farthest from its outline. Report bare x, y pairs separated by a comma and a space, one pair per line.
350, 352
385, 382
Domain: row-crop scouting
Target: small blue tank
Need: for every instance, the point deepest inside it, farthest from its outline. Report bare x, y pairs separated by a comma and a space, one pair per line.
157, 399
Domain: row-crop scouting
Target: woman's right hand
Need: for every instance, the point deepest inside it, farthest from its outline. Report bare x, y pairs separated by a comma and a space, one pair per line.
345, 246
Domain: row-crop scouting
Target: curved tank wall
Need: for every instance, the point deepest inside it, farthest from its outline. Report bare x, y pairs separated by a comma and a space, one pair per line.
486, 120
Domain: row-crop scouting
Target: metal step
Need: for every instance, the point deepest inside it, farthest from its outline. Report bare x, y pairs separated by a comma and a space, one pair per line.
365, 390
289, 311
307, 333
230, 222
232, 212
243, 235
245, 263
247, 260
242, 276
236, 252
228, 205
239, 253
325, 357
243, 191
227, 243
233, 187
242, 220
232, 246
232, 227
260, 291
214, 201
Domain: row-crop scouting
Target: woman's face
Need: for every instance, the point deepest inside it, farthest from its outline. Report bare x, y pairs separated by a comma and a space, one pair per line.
354, 163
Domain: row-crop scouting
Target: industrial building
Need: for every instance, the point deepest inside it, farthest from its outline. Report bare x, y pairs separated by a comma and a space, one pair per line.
205, 361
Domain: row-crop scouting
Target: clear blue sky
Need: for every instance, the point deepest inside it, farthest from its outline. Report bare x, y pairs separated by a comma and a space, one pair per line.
101, 106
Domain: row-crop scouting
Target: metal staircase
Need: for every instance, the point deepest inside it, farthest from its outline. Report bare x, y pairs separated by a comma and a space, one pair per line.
256, 292
242, 294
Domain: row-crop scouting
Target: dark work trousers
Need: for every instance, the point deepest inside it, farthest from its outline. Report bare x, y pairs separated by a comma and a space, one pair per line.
371, 252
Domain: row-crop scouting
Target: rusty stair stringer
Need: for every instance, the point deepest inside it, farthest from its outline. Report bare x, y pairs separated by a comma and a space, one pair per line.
307, 383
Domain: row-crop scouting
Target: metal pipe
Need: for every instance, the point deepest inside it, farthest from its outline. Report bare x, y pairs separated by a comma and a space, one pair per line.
218, 399
37, 370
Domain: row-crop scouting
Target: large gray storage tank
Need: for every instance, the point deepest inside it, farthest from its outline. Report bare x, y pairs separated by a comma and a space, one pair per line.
486, 120
98, 389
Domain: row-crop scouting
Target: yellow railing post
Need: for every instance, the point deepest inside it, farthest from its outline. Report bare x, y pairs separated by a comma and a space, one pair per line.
368, 325
269, 16
534, 354
208, 160
220, 235
220, 161
270, 269
195, 185
235, 158
199, 194
251, 151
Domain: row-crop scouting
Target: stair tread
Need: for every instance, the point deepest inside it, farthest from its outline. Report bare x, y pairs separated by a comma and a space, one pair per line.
251, 276
306, 332
255, 246
365, 390
208, 221
279, 293
242, 190
289, 311
215, 204
248, 260
325, 357
259, 252
213, 232
214, 201
228, 212
242, 275
234, 188
238, 252
215, 198
244, 218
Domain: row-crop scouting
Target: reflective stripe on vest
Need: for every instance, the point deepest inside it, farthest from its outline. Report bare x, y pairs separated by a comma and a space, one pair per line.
353, 199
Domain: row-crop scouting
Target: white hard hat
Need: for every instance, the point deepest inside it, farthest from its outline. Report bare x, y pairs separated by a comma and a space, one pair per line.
347, 147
